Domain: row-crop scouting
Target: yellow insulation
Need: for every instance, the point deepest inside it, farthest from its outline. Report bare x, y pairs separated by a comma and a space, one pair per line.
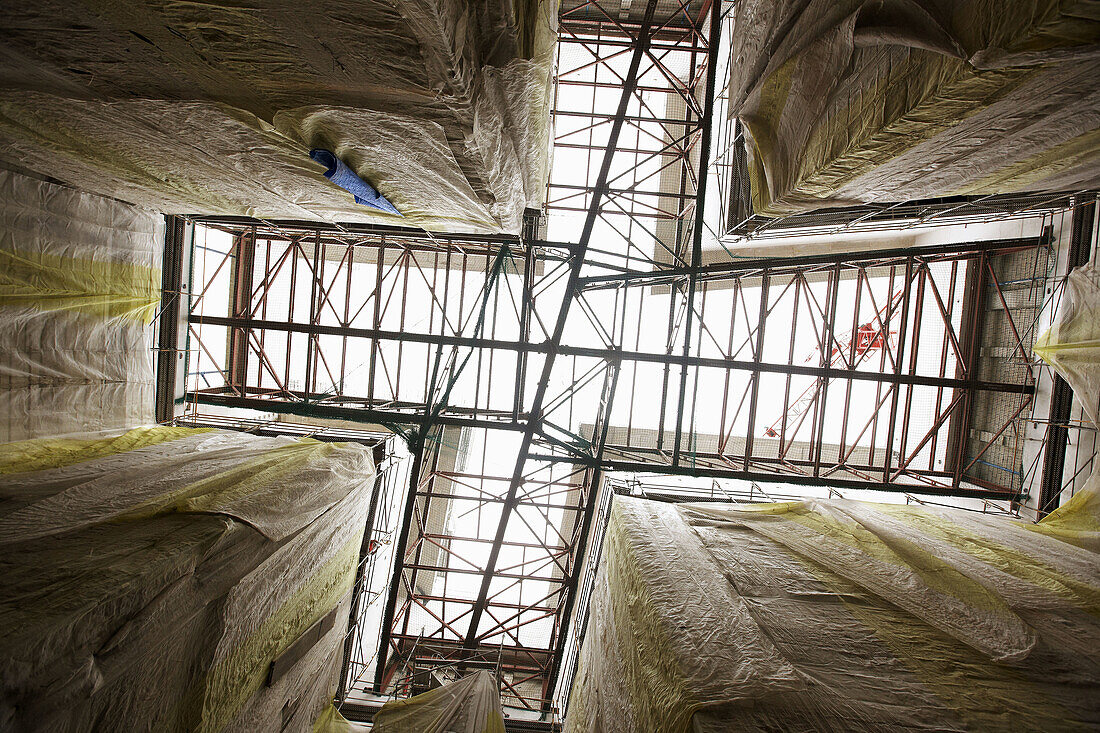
89, 287
44, 453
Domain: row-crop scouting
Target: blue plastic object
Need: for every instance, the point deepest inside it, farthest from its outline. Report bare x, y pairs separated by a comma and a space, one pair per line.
345, 178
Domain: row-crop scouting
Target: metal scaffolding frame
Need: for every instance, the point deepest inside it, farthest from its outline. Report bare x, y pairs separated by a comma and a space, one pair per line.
952, 211
522, 370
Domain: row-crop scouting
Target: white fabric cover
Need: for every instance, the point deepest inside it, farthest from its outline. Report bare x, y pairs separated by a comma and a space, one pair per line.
467, 705
1072, 344
857, 101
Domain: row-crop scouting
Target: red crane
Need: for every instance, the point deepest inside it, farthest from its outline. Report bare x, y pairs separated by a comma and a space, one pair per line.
868, 337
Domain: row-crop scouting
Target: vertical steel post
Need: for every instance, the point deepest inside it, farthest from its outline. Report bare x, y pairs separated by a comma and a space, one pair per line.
700, 214
1061, 400
577, 259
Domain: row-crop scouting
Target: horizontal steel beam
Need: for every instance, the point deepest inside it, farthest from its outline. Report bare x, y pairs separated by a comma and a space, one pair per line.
796, 479
808, 371
353, 228
435, 339
442, 647
343, 400
776, 265
352, 414
435, 241
617, 354
364, 712
625, 452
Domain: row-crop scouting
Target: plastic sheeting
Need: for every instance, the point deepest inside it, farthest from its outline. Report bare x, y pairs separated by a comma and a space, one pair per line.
1072, 347
837, 615
291, 701
442, 106
331, 721
468, 705
148, 579
870, 101
79, 286
1072, 344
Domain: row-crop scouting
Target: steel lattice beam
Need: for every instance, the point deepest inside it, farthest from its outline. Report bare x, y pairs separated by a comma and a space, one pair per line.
641, 42
540, 350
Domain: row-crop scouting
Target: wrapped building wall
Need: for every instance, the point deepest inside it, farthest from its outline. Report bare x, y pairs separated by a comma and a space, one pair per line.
79, 286
858, 102
212, 109
835, 615
151, 578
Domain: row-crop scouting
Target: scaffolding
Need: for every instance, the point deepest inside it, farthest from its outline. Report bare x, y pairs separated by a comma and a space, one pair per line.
521, 371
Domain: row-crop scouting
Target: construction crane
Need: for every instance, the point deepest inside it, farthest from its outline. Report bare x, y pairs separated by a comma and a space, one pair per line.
868, 337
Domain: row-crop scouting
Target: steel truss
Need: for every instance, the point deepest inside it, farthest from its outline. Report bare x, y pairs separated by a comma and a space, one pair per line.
522, 370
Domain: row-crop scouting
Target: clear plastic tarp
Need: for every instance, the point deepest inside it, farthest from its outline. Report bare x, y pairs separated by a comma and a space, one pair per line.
79, 287
862, 101
841, 615
467, 705
148, 579
1072, 346
331, 721
213, 108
